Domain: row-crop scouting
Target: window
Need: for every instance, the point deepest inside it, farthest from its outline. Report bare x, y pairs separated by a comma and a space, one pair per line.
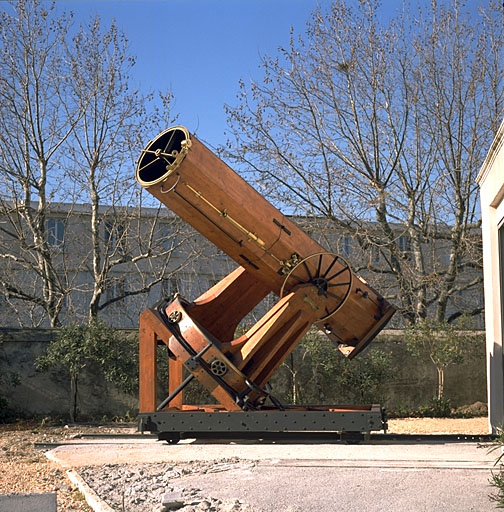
115, 289
443, 256
404, 245
346, 245
55, 232
375, 254
167, 237
114, 237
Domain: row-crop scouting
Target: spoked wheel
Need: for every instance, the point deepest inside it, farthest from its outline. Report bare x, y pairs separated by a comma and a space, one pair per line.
329, 273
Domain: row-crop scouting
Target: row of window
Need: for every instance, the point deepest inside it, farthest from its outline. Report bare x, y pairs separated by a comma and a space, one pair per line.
114, 239
403, 244
114, 236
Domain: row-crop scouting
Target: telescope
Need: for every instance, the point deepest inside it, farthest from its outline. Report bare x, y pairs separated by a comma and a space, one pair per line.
314, 287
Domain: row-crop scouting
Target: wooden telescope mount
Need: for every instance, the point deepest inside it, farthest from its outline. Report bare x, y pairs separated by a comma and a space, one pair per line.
314, 286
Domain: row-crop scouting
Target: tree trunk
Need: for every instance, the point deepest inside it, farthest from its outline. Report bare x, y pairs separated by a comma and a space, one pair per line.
294, 387
73, 398
440, 390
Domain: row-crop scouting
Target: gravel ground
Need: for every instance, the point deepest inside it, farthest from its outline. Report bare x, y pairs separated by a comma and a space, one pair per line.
144, 487
439, 426
23, 469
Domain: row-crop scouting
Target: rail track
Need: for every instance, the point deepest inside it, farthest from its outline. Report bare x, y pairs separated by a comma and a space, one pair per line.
272, 437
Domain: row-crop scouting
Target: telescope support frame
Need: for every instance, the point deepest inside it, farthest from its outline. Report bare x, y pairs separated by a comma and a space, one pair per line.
314, 286
320, 422
242, 411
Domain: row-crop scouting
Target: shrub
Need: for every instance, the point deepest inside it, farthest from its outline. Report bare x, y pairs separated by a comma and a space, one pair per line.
78, 346
497, 478
6, 413
445, 344
471, 411
437, 408
318, 373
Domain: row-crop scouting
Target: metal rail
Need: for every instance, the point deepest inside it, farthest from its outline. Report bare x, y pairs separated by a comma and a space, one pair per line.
294, 437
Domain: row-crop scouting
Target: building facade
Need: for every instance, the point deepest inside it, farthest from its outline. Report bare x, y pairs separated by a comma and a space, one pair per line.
134, 258
491, 182
149, 254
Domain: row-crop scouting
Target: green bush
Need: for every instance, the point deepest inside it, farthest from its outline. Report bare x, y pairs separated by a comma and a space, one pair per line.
81, 345
401, 411
6, 413
497, 478
471, 411
436, 408
497, 481
444, 343
316, 372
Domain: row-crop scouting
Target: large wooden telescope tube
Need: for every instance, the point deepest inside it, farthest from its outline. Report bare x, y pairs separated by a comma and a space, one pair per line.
315, 286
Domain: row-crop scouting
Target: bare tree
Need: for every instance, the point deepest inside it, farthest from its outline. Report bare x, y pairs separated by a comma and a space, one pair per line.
105, 144
76, 236
33, 83
378, 131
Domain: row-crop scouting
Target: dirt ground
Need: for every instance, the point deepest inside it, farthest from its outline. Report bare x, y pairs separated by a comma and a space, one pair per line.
471, 426
25, 469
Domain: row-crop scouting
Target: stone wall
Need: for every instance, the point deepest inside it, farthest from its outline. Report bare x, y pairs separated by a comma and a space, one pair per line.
47, 393
416, 379
30, 392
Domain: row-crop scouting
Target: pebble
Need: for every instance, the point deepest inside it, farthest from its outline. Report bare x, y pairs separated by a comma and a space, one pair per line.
173, 500
152, 487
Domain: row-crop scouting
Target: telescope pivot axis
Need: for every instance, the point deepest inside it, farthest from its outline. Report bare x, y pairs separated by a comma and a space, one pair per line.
318, 271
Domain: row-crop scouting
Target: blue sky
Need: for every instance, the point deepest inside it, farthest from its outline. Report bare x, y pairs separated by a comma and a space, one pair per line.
199, 49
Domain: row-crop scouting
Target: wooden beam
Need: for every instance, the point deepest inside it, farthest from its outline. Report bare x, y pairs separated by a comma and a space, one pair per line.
148, 365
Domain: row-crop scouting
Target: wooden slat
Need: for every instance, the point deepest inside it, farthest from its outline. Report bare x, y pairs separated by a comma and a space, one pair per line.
175, 377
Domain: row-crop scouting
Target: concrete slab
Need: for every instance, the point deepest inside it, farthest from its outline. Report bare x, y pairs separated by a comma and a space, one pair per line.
288, 477
440, 455
329, 489
43, 502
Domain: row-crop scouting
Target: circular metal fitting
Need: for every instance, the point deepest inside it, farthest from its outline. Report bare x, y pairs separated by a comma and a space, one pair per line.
218, 367
162, 156
174, 317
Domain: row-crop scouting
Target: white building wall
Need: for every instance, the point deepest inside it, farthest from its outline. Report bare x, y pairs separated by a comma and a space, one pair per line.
491, 182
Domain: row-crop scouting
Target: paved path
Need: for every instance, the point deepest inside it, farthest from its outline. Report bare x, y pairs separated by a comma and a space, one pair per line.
299, 488
392, 454
287, 477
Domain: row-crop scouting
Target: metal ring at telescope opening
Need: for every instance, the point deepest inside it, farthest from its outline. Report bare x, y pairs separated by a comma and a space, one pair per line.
162, 156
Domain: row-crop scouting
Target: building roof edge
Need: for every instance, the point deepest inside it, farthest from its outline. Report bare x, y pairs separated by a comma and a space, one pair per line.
495, 147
